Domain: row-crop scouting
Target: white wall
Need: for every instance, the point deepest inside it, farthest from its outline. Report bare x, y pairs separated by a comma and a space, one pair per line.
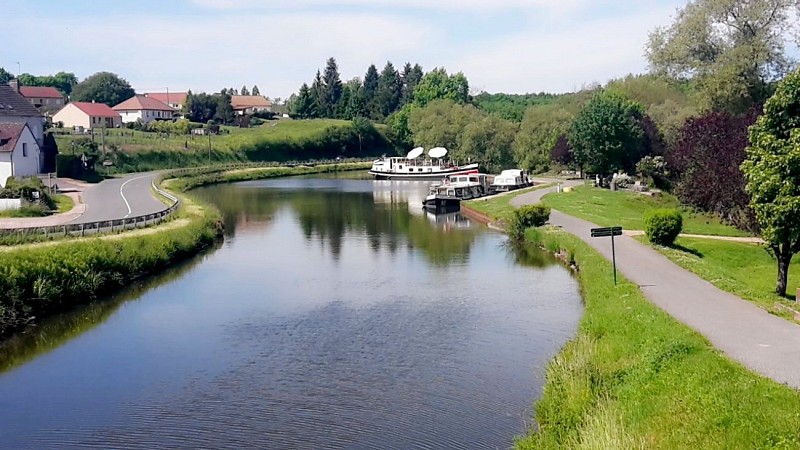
131, 116
10, 203
25, 166
36, 124
5, 167
71, 116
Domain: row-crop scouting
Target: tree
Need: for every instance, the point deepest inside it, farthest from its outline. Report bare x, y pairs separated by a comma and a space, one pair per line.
441, 123
369, 93
772, 174
255, 90
362, 127
732, 49
244, 91
539, 130
224, 110
5, 76
607, 135
103, 87
390, 88
411, 77
318, 95
304, 106
488, 140
706, 160
561, 152
331, 91
437, 84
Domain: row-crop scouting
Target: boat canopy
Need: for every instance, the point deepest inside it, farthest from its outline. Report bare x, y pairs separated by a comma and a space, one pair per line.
437, 152
415, 153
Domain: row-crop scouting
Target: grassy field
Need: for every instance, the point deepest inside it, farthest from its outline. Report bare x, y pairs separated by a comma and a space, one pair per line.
64, 203
498, 207
607, 208
281, 140
745, 270
636, 378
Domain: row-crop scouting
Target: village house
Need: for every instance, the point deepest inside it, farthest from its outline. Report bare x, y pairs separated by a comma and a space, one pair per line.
174, 99
20, 154
45, 98
249, 104
88, 115
144, 109
14, 108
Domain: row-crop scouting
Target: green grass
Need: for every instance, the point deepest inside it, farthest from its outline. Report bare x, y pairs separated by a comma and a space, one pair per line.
636, 378
745, 270
26, 211
64, 203
499, 207
609, 208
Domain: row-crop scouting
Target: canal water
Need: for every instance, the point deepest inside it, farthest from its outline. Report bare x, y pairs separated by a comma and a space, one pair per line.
336, 314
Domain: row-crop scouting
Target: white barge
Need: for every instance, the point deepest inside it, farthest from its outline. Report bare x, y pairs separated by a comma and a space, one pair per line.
416, 167
446, 197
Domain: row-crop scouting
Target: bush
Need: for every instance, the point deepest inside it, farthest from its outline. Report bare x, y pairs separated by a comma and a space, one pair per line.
662, 226
527, 217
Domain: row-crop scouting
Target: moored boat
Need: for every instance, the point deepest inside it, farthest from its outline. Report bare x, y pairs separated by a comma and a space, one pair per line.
446, 197
415, 166
510, 179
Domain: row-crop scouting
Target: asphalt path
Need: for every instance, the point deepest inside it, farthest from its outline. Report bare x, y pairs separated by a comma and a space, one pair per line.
120, 198
746, 333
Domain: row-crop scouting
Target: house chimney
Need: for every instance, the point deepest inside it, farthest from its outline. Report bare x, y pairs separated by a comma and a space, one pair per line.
14, 84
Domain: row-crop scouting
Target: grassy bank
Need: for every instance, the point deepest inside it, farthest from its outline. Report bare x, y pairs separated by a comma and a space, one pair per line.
610, 208
636, 378
745, 270
281, 141
498, 207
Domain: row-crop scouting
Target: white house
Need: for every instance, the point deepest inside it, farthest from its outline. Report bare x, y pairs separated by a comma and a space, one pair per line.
88, 116
144, 109
20, 154
249, 104
14, 108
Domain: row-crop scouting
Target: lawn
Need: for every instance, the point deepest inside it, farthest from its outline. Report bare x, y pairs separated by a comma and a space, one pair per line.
499, 207
636, 378
745, 270
611, 208
64, 203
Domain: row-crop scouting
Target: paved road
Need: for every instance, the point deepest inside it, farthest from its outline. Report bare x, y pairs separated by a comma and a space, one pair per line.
746, 333
119, 198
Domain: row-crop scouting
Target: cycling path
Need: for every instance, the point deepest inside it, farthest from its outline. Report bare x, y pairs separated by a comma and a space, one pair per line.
746, 333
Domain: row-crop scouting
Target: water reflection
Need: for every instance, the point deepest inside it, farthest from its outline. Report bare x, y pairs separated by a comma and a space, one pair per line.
52, 332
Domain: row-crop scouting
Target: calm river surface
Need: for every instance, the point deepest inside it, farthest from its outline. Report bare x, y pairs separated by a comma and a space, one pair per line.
335, 315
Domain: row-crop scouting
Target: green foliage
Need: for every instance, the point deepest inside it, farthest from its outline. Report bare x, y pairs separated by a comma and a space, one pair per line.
662, 226
33, 192
654, 170
441, 123
5, 76
731, 49
538, 133
63, 81
607, 135
41, 280
438, 85
488, 141
102, 87
526, 217
636, 378
772, 173
510, 106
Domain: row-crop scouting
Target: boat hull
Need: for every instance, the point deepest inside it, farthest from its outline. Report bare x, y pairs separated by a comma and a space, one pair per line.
442, 205
381, 175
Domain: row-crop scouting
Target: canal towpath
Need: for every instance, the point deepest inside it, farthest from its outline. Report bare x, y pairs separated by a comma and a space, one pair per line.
762, 342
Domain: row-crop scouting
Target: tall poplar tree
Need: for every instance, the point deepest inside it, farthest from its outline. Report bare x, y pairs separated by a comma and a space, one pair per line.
255, 90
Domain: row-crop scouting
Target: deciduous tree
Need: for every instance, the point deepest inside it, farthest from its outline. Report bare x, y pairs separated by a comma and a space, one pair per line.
103, 87
5, 76
438, 85
607, 135
772, 173
732, 49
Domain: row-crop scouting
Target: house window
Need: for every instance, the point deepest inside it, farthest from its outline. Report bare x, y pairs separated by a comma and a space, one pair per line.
24, 149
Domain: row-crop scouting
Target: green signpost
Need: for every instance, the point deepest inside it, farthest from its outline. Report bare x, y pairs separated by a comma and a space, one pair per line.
606, 232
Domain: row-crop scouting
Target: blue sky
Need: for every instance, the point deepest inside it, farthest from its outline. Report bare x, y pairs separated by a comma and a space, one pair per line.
513, 46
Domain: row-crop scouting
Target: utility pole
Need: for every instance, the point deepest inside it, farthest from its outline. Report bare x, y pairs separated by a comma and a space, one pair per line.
19, 70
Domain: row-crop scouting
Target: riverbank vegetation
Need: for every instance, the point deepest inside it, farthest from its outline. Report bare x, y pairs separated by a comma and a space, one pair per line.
277, 141
636, 378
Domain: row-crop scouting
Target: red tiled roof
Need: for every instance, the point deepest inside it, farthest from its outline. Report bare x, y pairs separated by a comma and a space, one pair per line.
96, 109
39, 92
176, 98
9, 135
249, 101
142, 103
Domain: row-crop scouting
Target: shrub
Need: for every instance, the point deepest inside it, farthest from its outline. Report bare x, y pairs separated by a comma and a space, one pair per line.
527, 217
662, 226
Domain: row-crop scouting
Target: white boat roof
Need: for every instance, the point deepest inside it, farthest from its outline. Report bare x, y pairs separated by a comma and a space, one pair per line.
437, 152
415, 153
